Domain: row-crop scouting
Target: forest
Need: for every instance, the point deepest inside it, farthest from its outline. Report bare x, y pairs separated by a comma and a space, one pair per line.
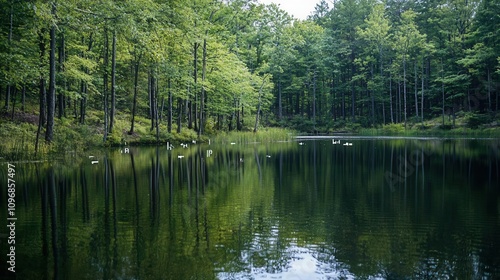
207, 66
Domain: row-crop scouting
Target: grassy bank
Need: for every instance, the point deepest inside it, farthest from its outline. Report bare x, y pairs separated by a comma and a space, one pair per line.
465, 125
71, 138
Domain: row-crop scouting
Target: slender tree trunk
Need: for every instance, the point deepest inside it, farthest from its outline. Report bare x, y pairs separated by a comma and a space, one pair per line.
489, 90
353, 71
179, 114
49, 133
83, 85
113, 83
170, 106
60, 96
259, 104
7, 97
442, 89
314, 101
280, 105
151, 98
162, 108
155, 101
202, 95
192, 111
404, 85
9, 87
23, 99
372, 97
136, 88
422, 94
416, 88
13, 103
390, 98
105, 84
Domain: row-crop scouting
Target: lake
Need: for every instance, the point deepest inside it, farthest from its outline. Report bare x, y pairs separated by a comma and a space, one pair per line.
382, 208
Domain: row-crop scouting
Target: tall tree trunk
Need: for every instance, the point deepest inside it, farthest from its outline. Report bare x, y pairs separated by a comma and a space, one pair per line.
259, 104
192, 111
83, 85
489, 90
416, 88
105, 84
7, 97
422, 94
390, 98
136, 88
203, 77
155, 102
179, 114
23, 98
280, 105
113, 83
162, 108
170, 105
49, 133
60, 96
372, 97
9, 87
13, 103
442, 89
404, 85
314, 101
151, 93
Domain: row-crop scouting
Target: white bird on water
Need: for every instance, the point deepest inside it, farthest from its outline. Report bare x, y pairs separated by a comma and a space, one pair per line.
335, 142
302, 143
347, 144
95, 162
179, 156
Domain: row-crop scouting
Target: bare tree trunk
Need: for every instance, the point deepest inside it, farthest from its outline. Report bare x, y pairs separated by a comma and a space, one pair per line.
415, 85
442, 89
13, 103
192, 111
60, 96
203, 77
23, 99
9, 87
136, 85
105, 83
404, 85
280, 105
422, 97
113, 83
49, 133
390, 98
179, 114
259, 104
170, 106
489, 90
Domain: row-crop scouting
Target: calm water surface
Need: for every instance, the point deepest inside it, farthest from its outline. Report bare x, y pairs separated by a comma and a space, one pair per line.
379, 209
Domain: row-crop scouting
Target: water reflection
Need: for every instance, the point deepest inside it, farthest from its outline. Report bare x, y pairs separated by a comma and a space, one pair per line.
382, 208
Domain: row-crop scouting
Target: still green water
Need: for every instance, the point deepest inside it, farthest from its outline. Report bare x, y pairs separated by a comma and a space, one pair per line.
379, 209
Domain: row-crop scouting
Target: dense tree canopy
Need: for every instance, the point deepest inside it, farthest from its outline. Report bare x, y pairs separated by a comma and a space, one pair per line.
213, 65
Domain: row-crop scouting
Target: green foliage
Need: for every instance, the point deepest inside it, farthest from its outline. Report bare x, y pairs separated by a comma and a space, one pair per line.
474, 120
